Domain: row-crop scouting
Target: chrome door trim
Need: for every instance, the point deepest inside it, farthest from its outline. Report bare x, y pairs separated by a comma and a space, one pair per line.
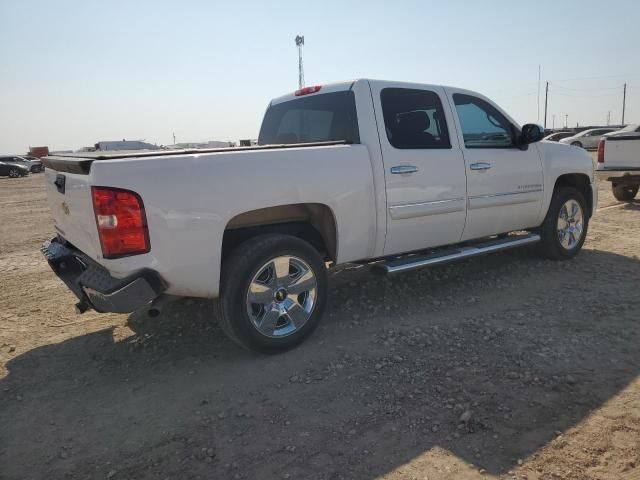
423, 209
505, 198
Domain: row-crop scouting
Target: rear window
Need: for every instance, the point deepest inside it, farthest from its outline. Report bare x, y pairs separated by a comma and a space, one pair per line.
316, 118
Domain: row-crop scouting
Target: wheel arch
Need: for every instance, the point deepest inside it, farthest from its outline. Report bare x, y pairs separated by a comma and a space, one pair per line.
313, 222
580, 182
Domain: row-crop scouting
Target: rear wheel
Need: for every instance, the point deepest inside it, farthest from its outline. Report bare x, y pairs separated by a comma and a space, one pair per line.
273, 293
624, 193
576, 144
565, 227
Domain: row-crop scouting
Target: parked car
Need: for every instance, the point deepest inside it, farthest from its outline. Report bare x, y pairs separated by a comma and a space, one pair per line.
34, 166
587, 139
557, 136
619, 163
13, 169
631, 130
441, 175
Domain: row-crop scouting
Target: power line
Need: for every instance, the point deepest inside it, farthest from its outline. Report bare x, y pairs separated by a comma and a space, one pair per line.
585, 89
602, 95
591, 78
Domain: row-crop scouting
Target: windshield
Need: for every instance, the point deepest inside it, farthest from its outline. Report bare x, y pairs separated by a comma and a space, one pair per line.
316, 118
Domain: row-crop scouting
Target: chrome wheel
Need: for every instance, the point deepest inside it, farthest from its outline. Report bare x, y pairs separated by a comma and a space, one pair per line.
281, 296
570, 224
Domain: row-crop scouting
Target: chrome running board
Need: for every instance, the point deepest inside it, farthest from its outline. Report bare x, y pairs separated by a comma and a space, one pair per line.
403, 264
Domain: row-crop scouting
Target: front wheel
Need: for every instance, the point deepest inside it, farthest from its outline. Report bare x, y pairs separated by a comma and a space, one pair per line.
564, 229
624, 193
273, 293
14, 173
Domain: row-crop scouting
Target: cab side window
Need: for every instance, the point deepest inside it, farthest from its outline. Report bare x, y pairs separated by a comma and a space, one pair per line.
483, 126
414, 119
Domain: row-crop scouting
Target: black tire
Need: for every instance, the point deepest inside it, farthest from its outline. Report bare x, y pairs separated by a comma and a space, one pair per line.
550, 245
15, 173
624, 193
576, 144
239, 270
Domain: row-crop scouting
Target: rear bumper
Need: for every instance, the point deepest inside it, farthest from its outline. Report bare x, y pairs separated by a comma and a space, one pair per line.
611, 174
93, 284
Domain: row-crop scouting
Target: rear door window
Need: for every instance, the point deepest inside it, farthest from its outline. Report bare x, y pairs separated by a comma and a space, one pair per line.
316, 118
414, 119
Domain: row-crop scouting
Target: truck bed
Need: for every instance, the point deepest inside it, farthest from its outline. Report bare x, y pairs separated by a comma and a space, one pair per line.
80, 162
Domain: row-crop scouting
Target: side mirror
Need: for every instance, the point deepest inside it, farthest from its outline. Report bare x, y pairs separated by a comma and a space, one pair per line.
531, 133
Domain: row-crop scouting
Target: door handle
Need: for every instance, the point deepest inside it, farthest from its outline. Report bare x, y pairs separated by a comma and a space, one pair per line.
480, 166
404, 169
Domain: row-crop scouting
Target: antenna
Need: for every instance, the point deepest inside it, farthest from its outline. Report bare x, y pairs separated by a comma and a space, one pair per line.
300, 44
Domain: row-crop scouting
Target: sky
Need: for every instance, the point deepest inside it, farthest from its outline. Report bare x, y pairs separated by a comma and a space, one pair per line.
76, 72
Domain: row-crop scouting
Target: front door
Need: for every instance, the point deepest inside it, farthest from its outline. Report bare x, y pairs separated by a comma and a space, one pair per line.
424, 167
504, 183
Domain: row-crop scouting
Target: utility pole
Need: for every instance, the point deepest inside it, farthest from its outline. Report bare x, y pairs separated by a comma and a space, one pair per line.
174, 138
546, 98
566, 120
608, 118
538, 117
553, 121
300, 44
624, 101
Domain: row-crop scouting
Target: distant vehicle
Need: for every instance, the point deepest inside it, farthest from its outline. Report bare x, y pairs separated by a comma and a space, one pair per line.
633, 129
39, 152
587, 138
619, 163
555, 137
33, 164
12, 169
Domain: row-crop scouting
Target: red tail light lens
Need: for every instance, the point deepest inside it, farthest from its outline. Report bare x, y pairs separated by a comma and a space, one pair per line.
601, 151
308, 90
121, 221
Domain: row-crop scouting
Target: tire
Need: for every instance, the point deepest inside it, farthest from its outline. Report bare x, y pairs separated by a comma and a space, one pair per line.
558, 234
624, 193
280, 319
15, 173
576, 144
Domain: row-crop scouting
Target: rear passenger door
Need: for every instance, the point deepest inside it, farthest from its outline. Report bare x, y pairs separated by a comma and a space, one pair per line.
424, 167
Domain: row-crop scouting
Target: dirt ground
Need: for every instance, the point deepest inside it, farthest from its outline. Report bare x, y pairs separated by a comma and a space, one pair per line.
506, 366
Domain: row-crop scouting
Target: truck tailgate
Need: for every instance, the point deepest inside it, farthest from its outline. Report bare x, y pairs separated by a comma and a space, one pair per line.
622, 152
69, 197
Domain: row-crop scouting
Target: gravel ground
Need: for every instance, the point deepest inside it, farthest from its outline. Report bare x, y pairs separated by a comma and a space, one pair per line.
506, 366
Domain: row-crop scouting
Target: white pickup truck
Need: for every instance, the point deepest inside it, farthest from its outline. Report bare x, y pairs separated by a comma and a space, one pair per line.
397, 175
619, 163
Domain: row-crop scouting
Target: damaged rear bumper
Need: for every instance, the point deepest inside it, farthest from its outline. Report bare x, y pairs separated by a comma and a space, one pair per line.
93, 284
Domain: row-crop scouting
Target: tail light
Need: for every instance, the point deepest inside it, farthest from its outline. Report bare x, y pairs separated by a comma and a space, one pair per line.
601, 151
308, 90
121, 221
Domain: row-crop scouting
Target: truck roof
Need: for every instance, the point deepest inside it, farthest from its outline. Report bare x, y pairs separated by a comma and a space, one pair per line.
348, 84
